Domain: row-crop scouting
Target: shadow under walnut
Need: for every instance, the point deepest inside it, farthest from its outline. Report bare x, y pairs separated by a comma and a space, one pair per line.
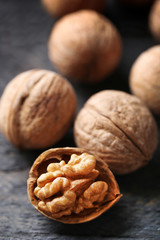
136, 3
88, 189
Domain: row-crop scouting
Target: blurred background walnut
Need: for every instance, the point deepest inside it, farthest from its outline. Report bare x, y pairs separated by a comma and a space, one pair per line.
145, 78
118, 128
154, 20
85, 46
58, 8
71, 186
36, 109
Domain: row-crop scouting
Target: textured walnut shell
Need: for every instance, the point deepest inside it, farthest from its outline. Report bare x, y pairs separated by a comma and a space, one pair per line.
145, 78
56, 155
36, 109
85, 46
118, 128
59, 8
154, 20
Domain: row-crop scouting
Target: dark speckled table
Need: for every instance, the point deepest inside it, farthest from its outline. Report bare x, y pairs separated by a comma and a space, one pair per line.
24, 31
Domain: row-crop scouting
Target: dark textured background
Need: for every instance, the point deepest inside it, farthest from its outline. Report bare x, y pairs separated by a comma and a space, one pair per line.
24, 31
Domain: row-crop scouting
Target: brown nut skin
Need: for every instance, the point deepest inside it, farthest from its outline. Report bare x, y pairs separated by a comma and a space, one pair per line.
118, 128
59, 8
145, 78
56, 155
85, 46
154, 20
36, 109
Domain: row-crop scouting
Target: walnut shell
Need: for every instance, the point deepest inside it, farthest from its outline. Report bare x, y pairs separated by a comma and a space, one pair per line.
36, 109
154, 20
145, 78
60, 8
56, 155
118, 128
85, 46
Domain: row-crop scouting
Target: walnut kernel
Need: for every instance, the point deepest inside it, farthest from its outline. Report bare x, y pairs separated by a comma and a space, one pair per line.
85, 46
83, 189
36, 109
117, 128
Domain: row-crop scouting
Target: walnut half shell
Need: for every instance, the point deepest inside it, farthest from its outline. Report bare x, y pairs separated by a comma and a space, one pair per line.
71, 186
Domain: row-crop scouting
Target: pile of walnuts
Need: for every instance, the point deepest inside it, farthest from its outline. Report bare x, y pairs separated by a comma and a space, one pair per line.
114, 130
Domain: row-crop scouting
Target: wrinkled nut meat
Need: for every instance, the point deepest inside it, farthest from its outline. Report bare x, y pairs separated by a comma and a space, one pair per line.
145, 78
85, 46
118, 128
59, 8
71, 186
154, 20
36, 109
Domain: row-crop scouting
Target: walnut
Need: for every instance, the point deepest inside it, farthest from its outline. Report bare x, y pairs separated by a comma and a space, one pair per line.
117, 128
36, 109
58, 8
71, 186
154, 20
85, 46
145, 78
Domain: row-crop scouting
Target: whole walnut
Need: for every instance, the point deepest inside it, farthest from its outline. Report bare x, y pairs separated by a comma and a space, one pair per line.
117, 128
145, 78
85, 46
71, 186
36, 109
154, 20
59, 8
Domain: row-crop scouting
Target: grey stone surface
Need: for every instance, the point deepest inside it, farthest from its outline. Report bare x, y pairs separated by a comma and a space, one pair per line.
24, 31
